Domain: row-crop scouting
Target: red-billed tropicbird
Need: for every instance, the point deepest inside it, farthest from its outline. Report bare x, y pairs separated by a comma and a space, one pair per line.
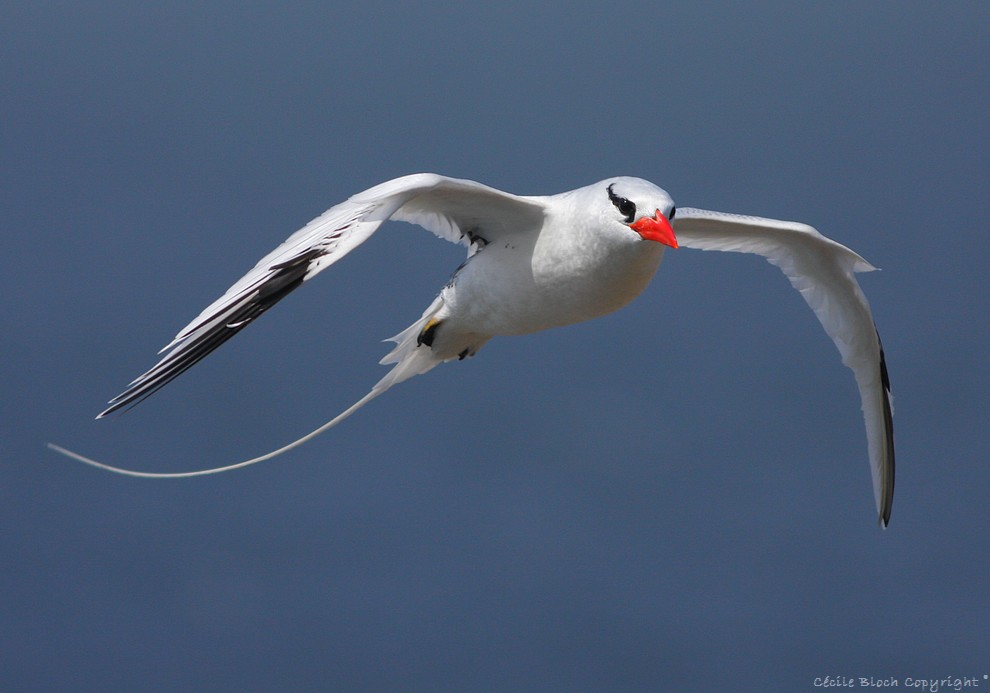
536, 262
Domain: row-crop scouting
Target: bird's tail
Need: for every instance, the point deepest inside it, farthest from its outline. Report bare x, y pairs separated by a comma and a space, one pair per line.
411, 357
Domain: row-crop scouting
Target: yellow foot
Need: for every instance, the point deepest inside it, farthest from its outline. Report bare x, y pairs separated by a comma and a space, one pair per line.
428, 332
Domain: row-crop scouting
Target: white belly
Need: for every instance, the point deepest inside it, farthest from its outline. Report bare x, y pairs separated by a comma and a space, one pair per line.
508, 291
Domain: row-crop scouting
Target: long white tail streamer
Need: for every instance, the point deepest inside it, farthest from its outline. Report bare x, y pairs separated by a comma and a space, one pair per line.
216, 470
409, 359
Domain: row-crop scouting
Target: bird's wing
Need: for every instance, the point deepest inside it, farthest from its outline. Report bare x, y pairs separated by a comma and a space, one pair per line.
460, 211
823, 271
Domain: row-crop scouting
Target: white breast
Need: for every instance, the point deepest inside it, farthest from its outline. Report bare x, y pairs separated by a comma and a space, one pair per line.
565, 275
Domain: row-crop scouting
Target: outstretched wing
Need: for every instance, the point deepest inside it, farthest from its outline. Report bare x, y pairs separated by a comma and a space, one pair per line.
823, 271
460, 211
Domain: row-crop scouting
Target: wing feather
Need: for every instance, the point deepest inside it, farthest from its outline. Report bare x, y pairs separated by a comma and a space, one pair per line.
823, 271
460, 211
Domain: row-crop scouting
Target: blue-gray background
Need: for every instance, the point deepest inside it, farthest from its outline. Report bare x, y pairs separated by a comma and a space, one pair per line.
675, 496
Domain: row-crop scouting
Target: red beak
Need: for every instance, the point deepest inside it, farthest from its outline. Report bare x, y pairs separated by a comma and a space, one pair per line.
657, 229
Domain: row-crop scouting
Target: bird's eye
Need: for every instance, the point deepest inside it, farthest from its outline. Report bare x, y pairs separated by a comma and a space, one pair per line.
626, 207
673, 211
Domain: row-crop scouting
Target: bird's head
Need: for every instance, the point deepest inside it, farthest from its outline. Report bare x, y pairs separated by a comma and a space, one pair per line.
641, 206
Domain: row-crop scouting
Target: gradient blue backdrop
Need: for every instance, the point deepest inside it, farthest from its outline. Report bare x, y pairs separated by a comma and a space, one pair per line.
675, 497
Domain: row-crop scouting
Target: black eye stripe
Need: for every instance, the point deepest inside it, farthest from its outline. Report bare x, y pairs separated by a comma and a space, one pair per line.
626, 207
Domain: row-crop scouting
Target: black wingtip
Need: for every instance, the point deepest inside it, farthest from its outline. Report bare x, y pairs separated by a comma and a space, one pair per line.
887, 483
210, 334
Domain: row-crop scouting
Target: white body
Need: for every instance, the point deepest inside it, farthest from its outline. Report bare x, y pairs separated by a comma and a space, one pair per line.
562, 271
